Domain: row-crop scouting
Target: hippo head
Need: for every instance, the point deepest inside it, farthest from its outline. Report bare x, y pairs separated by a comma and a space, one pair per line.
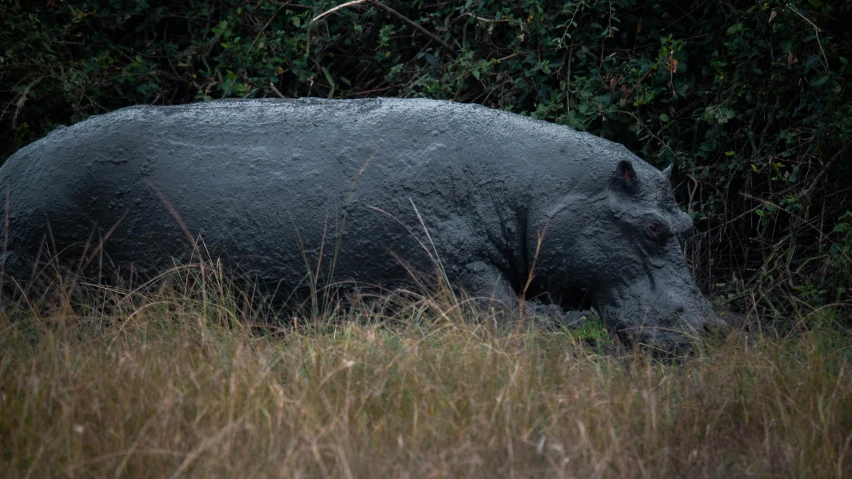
647, 295
628, 256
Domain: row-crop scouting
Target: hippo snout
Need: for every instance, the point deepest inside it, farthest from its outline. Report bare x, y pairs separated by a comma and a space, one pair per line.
664, 322
684, 334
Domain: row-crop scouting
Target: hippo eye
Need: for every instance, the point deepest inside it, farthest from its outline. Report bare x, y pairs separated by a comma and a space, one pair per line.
654, 229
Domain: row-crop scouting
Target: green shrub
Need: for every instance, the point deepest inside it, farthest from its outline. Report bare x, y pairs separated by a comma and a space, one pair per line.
749, 100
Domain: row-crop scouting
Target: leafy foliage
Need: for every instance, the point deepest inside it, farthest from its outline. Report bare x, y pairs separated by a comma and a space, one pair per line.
750, 100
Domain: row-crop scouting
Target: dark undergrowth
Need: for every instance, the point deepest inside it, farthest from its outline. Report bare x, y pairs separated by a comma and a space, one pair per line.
750, 100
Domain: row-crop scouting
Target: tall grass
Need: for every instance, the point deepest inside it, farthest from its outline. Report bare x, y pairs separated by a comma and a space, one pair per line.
175, 381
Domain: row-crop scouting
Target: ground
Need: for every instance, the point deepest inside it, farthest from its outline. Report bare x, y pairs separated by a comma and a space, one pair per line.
180, 379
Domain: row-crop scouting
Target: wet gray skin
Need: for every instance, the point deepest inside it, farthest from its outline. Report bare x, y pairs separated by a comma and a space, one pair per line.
281, 189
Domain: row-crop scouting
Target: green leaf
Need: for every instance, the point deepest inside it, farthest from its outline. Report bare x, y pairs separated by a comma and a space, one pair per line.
664, 118
603, 100
835, 248
330, 82
735, 28
819, 81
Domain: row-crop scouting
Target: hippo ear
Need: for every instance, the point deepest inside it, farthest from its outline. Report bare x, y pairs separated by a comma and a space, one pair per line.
625, 177
668, 171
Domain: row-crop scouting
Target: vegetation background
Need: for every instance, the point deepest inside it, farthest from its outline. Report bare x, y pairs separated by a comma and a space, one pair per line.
749, 99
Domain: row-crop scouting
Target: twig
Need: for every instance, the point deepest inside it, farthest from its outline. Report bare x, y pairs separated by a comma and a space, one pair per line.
816, 32
19, 105
568, 79
630, 92
480, 19
265, 27
213, 43
392, 12
342, 5
275, 90
376, 90
539, 50
807, 191
639, 122
414, 25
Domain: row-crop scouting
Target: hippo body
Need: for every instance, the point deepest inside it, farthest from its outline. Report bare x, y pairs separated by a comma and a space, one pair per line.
283, 189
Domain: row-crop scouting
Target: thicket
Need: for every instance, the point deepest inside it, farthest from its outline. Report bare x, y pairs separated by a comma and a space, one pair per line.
750, 100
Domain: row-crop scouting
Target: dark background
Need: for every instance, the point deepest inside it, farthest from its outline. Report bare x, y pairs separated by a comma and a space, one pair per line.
750, 100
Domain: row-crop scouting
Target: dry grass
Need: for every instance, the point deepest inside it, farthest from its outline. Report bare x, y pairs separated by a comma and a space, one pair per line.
167, 384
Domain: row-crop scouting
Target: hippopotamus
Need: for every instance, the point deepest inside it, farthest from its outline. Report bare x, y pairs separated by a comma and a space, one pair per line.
370, 192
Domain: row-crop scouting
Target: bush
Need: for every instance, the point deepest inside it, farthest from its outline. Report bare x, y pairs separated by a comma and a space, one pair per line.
749, 100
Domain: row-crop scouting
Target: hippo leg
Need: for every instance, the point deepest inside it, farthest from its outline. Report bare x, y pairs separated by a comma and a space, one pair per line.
492, 289
486, 282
